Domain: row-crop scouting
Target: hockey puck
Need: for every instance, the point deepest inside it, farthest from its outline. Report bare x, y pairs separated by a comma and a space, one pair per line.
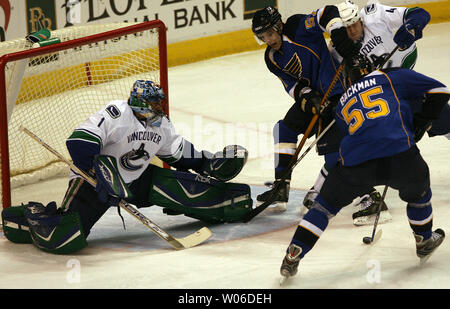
367, 240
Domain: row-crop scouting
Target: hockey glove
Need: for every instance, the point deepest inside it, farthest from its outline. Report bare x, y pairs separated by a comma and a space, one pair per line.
343, 44
421, 125
406, 35
432, 106
310, 101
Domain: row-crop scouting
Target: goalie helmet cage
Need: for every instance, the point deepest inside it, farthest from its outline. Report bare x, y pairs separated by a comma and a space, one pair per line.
54, 88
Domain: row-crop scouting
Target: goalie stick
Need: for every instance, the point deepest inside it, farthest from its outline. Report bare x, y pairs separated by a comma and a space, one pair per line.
254, 212
189, 241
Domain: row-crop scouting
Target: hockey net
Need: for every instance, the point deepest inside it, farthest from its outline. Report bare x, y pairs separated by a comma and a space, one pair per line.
52, 89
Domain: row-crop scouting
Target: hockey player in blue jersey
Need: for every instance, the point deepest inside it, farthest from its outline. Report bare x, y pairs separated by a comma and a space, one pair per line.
380, 29
378, 148
298, 55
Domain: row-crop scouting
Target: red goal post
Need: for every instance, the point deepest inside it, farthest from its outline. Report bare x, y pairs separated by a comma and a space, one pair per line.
57, 87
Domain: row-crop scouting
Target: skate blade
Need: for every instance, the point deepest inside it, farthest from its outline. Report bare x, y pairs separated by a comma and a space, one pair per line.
281, 207
277, 206
385, 216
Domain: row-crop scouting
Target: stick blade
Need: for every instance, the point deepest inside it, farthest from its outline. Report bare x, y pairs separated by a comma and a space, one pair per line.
377, 236
191, 240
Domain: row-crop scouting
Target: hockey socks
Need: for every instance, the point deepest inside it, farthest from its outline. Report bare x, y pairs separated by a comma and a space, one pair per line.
313, 225
420, 216
285, 141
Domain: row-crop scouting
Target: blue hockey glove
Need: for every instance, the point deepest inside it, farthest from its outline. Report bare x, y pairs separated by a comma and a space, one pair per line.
406, 35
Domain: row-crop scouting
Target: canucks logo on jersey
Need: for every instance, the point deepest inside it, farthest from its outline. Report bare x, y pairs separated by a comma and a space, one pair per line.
126, 160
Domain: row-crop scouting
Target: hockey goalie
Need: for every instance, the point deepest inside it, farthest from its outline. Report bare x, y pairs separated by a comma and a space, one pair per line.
115, 146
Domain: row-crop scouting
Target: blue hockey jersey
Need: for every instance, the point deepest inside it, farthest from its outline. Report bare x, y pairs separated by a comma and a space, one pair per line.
375, 114
304, 56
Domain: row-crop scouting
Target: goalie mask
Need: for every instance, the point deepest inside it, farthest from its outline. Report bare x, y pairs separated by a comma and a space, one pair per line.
146, 101
356, 68
264, 20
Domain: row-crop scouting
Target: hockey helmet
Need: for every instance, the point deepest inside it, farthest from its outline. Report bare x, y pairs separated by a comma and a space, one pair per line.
349, 12
146, 101
265, 19
356, 68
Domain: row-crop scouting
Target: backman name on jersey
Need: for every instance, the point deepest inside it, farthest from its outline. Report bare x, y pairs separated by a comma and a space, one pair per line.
144, 136
357, 87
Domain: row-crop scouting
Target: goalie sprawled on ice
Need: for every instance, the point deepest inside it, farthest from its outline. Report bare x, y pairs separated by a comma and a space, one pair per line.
116, 145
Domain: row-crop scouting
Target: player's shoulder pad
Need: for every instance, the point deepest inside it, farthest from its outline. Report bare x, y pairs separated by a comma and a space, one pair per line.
388, 70
116, 108
370, 8
403, 75
292, 24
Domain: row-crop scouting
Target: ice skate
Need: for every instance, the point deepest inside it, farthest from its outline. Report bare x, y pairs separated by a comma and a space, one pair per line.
368, 205
290, 263
425, 248
282, 196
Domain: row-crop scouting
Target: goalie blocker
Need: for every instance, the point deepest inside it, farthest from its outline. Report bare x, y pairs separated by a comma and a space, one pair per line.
64, 230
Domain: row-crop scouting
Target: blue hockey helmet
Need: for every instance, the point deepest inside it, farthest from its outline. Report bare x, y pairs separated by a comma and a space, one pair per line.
146, 101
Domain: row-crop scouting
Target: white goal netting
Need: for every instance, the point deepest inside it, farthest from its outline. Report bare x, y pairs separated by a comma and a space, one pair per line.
53, 93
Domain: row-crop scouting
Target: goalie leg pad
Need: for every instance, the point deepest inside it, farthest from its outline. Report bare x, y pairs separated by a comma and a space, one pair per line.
15, 225
196, 196
55, 231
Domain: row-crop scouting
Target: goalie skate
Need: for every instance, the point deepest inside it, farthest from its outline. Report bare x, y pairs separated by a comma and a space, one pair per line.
368, 210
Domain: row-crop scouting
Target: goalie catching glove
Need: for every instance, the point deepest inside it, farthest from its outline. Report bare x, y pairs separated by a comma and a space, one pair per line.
226, 164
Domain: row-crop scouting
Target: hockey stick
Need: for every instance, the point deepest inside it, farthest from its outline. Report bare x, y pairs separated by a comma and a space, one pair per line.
374, 238
293, 162
178, 243
369, 240
388, 57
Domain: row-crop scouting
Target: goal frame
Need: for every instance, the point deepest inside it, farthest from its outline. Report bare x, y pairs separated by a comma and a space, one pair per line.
34, 52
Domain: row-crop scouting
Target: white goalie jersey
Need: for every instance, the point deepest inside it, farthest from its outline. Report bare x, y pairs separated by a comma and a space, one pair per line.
121, 135
380, 25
